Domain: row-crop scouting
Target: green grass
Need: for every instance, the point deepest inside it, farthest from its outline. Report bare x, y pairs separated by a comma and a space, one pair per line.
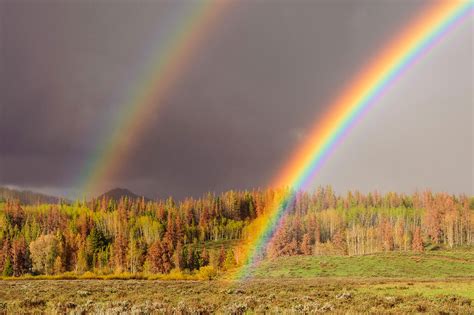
459, 253
216, 245
440, 281
433, 289
429, 265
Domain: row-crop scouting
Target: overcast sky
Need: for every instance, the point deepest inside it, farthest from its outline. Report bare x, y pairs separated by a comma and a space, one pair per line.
251, 92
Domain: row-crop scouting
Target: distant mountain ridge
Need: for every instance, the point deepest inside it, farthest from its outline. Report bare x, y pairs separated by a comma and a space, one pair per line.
28, 197
117, 194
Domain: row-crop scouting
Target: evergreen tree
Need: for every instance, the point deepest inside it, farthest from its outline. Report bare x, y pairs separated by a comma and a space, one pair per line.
7, 268
20, 259
96, 240
167, 257
155, 257
179, 257
106, 236
191, 259
221, 258
204, 257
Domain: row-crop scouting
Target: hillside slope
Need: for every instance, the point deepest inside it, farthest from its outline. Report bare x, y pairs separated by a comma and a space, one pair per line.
118, 193
28, 197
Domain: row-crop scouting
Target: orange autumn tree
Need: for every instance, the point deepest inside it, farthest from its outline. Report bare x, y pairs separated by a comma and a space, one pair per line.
109, 236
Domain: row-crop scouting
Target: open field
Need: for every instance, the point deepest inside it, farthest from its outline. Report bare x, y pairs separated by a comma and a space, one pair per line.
440, 264
433, 282
283, 295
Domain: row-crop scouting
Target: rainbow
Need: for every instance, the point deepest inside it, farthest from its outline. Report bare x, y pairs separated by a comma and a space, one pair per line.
363, 91
165, 68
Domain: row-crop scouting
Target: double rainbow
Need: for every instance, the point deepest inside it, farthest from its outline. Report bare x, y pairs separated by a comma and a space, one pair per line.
356, 99
363, 91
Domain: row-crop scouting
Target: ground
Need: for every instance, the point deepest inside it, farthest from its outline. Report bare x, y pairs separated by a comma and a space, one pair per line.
439, 264
287, 295
434, 282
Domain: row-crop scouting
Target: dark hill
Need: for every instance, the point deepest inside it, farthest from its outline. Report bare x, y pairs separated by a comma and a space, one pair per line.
117, 193
28, 197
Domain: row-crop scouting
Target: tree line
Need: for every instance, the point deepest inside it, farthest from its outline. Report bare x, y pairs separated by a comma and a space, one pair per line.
136, 236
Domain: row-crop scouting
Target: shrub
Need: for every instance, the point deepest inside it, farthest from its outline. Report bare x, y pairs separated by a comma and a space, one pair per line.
43, 253
207, 273
175, 274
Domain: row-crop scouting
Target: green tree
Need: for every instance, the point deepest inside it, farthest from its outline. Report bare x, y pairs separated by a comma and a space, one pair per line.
204, 257
229, 261
43, 253
96, 241
8, 268
58, 266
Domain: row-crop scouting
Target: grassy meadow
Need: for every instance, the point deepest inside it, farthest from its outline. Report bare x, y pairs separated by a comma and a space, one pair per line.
438, 282
429, 265
341, 254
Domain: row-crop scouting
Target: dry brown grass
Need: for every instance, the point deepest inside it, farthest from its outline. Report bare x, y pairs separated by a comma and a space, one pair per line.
255, 296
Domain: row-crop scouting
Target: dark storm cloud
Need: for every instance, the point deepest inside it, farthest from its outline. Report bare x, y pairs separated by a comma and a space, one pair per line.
263, 76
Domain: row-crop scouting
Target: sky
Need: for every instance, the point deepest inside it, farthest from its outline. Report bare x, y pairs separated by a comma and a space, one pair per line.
262, 77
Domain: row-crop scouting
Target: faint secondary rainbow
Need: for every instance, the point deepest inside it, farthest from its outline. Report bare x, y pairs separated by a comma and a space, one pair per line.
167, 65
366, 88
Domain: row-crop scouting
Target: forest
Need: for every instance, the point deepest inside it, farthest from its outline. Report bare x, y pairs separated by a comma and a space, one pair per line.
206, 234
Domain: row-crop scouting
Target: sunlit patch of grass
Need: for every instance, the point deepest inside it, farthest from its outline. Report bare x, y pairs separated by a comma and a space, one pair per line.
439, 281
458, 253
391, 265
428, 289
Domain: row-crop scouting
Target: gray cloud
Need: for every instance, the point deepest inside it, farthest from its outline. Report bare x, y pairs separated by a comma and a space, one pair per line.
263, 77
